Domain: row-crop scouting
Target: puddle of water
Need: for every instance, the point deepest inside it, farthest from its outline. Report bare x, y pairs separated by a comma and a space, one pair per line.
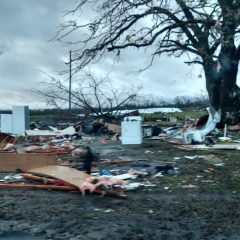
19, 236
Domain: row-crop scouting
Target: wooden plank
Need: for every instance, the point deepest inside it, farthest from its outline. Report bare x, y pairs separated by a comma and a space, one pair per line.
10, 162
69, 175
44, 180
34, 186
57, 151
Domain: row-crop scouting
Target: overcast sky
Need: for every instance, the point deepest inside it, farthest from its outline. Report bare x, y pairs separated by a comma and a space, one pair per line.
26, 26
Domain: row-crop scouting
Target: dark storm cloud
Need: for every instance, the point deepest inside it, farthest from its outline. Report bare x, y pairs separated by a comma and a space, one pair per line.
26, 26
166, 78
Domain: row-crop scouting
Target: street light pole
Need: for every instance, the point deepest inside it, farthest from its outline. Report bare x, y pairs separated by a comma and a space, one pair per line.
70, 81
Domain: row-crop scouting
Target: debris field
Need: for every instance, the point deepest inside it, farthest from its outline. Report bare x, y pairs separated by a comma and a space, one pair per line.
174, 193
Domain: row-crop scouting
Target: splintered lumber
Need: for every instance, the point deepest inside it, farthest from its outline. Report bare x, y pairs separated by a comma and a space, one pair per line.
28, 176
11, 162
44, 180
5, 138
57, 151
34, 186
71, 176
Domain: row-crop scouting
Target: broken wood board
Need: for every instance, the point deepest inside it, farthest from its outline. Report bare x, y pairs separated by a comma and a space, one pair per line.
34, 186
44, 180
57, 151
213, 147
11, 162
5, 138
68, 175
71, 176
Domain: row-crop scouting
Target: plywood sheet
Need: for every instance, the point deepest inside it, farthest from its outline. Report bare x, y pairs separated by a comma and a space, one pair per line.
10, 162
69, 175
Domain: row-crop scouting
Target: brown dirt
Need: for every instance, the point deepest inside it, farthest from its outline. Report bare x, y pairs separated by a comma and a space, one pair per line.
210, 210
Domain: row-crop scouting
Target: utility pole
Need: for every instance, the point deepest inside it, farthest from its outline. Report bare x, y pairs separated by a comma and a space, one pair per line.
70, 81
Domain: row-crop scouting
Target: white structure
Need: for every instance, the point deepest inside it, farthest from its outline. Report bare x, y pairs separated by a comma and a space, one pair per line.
6, 123
145, 111
198, 135
132, 130
20, 115
17, 122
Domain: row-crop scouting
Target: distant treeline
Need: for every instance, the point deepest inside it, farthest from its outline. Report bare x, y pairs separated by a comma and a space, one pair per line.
179, 102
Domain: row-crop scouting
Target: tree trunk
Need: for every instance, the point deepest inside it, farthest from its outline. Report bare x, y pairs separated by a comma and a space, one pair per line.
224, 94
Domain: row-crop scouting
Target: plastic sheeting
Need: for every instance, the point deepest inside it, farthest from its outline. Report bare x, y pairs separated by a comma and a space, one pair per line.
198, 135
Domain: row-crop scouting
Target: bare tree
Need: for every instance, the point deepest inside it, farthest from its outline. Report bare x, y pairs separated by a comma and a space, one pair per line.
207, 32
92, 94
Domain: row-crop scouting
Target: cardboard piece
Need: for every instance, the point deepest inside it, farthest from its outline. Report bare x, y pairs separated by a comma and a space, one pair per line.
68, 175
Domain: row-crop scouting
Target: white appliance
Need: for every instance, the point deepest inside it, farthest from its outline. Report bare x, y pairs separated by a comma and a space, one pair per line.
131, 129
20, 116
6, 123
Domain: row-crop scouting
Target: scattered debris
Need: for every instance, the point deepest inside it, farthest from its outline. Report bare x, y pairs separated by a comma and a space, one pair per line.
189, 186
234, 128
80, 179
193, 157
132, 186
76, 160
212, 159
231, 146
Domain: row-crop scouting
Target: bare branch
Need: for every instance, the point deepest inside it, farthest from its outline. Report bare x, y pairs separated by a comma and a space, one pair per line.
93, 94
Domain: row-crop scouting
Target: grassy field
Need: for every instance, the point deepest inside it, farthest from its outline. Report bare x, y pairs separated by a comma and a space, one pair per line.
163, 118
152, 119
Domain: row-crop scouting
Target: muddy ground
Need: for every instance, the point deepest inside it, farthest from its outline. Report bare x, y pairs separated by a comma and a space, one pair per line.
200, 201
